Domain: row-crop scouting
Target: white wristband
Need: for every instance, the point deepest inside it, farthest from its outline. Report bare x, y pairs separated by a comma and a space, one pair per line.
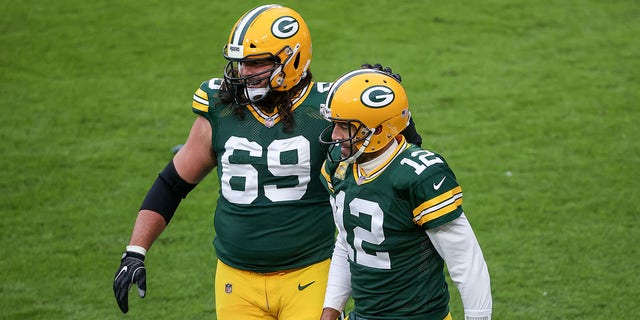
137, 249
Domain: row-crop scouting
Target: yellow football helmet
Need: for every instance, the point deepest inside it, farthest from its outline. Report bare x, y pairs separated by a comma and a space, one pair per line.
375, 107
268, 32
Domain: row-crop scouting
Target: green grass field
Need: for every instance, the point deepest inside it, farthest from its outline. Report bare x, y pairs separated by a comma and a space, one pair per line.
533, 103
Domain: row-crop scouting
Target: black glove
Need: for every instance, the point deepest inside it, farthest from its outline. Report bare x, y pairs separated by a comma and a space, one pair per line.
132, 270
379, 67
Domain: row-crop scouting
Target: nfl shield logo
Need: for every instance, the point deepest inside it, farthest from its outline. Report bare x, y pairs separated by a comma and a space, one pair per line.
227, 288
269, 122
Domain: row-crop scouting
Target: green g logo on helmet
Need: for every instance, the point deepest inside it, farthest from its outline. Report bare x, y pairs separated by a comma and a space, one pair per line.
285, 27
377, 96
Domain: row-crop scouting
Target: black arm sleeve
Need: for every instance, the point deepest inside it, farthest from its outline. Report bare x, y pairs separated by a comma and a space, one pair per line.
167, 191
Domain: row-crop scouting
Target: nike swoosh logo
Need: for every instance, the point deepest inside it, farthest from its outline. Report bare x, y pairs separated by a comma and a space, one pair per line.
305, 286
437, 186
124, 269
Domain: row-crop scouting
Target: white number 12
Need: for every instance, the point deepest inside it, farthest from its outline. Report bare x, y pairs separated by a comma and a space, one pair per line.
373, 235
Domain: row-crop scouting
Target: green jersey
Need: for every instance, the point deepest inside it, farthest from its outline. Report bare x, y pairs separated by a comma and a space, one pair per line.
396, 273
272, 212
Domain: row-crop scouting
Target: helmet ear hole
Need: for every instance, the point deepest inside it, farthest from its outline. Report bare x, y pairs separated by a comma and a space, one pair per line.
378, 129
296, 62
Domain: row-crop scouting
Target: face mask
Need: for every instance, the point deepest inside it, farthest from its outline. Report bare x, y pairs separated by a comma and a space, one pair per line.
255, 94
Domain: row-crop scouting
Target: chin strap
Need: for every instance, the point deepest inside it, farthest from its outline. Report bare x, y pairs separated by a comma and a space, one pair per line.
363, 147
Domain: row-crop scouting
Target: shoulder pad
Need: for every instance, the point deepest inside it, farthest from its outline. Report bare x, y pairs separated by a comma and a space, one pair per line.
322, 87
204, 95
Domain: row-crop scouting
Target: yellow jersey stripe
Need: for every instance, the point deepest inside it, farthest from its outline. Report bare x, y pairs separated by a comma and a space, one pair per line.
303, 95
268, 120
326, 176
200, 101
426, 218
438, 206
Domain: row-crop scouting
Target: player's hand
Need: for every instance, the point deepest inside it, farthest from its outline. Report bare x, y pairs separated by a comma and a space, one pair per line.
330, 314
132, 270
379, 67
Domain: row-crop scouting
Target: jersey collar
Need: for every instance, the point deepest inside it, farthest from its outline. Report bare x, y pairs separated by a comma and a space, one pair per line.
380, 163
270, 120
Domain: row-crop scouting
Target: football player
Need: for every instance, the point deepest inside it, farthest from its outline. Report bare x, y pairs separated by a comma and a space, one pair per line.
398, 209
258, 127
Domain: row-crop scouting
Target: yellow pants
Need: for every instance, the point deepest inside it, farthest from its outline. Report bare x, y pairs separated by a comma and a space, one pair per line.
288, 295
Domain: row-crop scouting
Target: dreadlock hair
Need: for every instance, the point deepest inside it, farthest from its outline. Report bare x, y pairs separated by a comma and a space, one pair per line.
280, 100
